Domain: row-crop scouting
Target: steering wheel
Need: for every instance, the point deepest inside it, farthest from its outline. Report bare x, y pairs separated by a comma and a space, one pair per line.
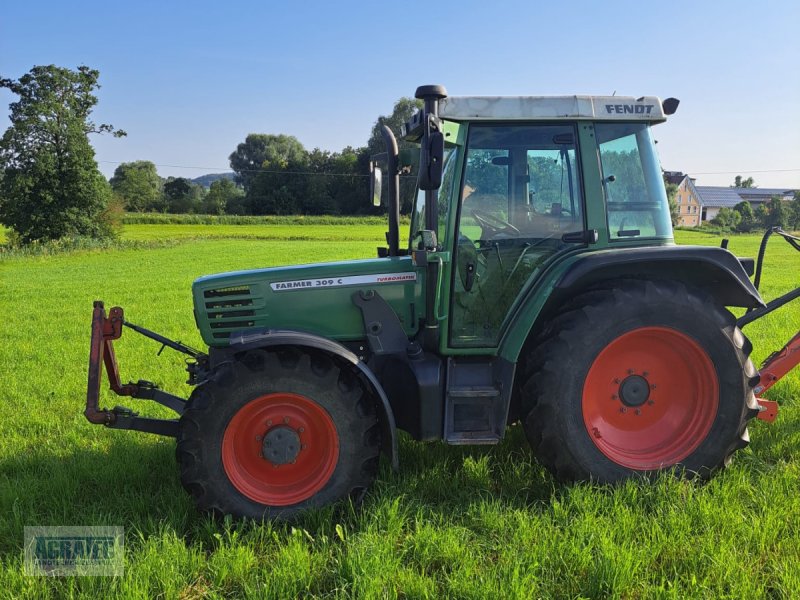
490, 222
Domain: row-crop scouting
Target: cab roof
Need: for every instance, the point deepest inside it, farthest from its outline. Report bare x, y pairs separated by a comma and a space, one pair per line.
552, 108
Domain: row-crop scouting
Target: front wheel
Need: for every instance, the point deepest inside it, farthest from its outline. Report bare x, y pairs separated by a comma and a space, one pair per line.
276, 433
635, 378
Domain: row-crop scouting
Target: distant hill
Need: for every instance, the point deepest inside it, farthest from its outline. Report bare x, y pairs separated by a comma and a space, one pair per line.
207, 180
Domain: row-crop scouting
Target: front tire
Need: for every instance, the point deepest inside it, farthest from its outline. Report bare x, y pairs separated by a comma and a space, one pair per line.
637, 377
276, 433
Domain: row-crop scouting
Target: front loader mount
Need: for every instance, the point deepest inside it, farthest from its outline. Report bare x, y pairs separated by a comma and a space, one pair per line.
106, 329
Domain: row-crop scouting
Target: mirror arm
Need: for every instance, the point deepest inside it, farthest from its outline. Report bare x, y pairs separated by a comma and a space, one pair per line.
393, 235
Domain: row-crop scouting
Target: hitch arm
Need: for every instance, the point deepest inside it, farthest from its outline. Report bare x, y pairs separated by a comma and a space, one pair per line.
106, 329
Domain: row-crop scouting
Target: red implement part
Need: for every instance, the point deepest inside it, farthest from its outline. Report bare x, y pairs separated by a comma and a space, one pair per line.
773, 370
104, 331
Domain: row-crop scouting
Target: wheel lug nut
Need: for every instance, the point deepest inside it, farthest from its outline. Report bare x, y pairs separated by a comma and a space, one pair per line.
651, 402
616, 380
258, 438
269, 423
614, 397
630, 371
301, 430
638, 411
303, 446
623, 410
653, 386
285, 420
645, 373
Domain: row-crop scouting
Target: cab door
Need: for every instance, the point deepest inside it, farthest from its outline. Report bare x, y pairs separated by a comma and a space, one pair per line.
520, 194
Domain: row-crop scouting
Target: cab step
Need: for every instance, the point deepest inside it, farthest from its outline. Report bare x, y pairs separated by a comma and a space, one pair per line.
476, 405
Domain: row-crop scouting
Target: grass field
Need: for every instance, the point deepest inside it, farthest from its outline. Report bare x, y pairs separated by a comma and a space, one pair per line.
454, 522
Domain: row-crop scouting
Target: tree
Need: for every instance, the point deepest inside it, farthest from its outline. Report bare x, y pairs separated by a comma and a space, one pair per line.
261, 151
224, 196
794, 212
51, 186
777, 213
738, 182
182, 196
761, 215
674, 209
748, 218
138, 185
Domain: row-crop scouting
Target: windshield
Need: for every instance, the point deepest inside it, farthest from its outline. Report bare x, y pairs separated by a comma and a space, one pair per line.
635, 197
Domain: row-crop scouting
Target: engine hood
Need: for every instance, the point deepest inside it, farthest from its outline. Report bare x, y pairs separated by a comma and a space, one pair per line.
315, 298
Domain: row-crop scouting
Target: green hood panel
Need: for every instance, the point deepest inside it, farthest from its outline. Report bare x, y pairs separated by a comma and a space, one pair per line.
315, 298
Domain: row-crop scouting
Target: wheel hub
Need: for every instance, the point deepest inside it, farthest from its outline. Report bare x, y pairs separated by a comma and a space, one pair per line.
281, 445
634, 390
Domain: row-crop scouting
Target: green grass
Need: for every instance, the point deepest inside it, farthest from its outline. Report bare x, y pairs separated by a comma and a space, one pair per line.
457, 522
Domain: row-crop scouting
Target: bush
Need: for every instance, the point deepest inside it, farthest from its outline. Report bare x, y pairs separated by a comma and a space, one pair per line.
727, 219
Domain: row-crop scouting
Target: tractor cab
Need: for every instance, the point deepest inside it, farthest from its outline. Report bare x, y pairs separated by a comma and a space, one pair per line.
510, 186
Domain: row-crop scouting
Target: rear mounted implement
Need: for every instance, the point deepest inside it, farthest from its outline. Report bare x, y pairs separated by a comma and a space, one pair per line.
779, 363
106, 329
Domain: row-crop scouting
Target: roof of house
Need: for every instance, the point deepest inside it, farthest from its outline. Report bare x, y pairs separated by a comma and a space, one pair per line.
674, 177
718, 197
767, 193
728, 197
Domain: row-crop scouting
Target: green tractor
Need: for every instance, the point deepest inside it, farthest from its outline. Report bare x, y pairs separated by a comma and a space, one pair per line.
541, 285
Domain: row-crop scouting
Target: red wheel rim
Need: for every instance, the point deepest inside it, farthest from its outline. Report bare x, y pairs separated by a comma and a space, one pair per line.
287, 483
650, 398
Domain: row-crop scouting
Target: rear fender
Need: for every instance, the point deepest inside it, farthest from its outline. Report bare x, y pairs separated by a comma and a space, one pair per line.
267, 338
714, 270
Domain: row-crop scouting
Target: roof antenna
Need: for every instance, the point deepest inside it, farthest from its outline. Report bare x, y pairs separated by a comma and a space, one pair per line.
615, 93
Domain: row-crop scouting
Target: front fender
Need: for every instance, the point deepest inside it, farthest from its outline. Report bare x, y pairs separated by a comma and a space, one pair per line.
265, 338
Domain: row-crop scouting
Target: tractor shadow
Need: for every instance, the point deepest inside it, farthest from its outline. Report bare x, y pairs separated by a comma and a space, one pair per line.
445, 479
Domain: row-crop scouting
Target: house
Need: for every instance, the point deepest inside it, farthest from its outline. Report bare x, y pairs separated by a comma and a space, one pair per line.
690, 207
700, 203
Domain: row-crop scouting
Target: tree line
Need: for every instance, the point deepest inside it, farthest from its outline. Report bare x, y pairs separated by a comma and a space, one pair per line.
776, 212
274, 175
51, 187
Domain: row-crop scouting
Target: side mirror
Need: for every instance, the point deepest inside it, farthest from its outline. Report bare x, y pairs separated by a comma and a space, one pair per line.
431, 159
375, 183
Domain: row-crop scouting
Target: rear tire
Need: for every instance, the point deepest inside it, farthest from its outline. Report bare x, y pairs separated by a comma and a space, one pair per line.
276, 433
637, 377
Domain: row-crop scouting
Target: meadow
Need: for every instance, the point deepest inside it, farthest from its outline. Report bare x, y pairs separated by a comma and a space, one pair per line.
485, 522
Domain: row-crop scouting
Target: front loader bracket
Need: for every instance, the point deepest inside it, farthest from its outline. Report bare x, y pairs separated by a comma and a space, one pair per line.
106, 329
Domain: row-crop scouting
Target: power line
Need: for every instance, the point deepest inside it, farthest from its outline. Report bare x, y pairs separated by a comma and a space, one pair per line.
228, 170
314, 173
751, 171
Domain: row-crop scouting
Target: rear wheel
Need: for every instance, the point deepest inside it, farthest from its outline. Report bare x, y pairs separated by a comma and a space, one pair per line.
635, 378
276, 433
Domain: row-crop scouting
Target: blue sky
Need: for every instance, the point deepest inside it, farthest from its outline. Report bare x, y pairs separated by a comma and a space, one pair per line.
188, 81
